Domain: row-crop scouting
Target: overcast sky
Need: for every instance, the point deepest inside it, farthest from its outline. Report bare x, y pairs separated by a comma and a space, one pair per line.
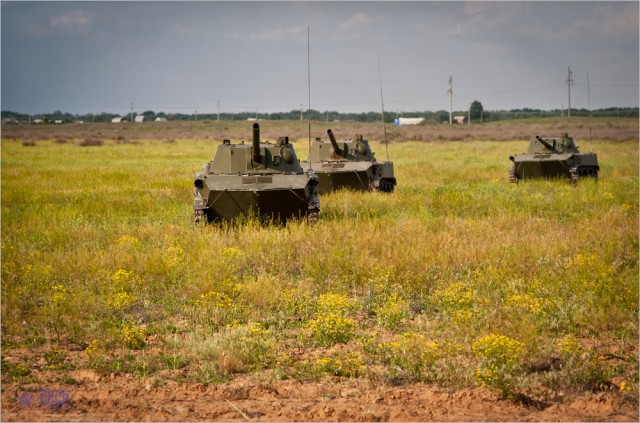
178, 57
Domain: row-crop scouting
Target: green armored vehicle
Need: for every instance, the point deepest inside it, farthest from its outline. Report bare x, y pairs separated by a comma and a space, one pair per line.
261, 178
553, 158
349, 164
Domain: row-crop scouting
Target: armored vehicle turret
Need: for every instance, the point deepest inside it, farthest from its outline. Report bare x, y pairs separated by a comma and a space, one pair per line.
553, 158
349, 164
261, 178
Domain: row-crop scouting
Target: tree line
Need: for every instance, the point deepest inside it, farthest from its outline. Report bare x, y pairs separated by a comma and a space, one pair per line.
475, 112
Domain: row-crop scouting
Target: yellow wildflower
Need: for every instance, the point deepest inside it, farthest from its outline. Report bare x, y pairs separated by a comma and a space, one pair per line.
128, 240
60, 294
122, 300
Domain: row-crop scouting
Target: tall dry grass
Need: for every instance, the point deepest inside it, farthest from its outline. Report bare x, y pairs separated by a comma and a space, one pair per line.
457, 278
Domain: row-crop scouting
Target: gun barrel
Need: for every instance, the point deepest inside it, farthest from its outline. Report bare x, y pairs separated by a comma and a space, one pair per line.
545, 143
334, 143
256, 143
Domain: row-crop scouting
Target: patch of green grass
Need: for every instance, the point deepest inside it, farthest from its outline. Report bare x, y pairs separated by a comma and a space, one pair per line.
15, 371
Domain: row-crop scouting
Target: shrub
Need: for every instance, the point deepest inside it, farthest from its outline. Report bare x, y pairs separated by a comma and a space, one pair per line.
411, 353
237, 349
132, 335
582, 365
458, 300
218, 309
332, 324
296, 302
392, 312
343, 365
91, 142
498, 362
330, 328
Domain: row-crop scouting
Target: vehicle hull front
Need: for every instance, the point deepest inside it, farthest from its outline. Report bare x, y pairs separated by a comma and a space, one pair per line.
227, 197
334, 176
542, 169
528, 166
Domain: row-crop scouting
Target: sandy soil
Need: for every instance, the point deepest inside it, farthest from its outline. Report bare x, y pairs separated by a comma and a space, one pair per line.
123, 398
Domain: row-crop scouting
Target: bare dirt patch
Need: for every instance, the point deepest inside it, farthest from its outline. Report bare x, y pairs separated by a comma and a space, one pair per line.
123, 398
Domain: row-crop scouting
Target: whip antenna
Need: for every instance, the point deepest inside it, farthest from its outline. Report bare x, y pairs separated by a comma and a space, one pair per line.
309, 89
384, 125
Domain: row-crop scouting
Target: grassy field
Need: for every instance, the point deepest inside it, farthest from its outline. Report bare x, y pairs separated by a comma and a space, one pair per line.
458, 278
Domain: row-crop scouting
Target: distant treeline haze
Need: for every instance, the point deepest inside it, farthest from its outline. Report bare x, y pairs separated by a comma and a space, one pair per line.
437, 116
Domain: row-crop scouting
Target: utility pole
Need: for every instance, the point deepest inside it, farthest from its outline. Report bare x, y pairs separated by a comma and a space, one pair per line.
450, 92
131, 113
301, 112
218, 110
569, 82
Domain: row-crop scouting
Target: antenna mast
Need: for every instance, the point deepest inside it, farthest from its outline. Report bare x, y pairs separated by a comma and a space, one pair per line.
450, 92
309, 89
589, 99
569, 82
384, 125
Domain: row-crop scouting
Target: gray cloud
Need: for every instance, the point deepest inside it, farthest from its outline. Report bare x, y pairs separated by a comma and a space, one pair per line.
601, 20
277, 35
610, 20
74, 22
489, 15
356, 22
179, 56
356, 26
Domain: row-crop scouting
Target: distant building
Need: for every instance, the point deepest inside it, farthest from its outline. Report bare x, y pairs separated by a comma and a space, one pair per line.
460, 119
161, 119
408, 121
57, 121
139, 118
118, 119
38, 121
